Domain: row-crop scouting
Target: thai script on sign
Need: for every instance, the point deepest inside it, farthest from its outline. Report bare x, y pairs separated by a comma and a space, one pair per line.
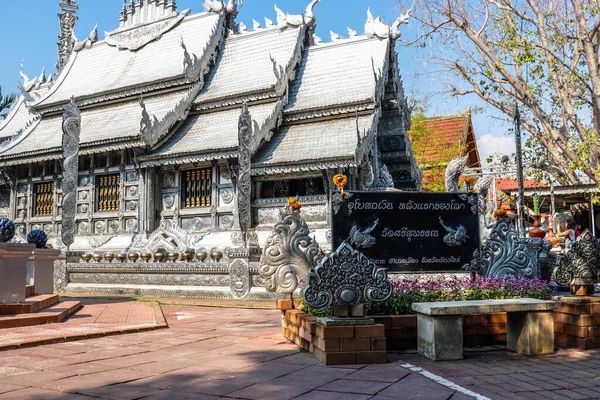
440, 260
408, 260
358, 204
407, 233
430, 206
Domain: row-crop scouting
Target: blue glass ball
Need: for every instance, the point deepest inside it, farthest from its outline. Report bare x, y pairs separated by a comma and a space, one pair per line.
7, 230
37, 237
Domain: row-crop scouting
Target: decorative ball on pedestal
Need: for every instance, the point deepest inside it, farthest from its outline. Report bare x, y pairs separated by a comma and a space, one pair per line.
7, 230
37, 237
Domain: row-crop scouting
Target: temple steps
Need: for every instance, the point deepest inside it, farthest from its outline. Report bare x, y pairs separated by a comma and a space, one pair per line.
29, 290
55, 313
31, 305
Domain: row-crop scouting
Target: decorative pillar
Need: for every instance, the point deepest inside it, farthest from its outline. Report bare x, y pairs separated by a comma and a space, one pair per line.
71, 128
243, 181
66, 19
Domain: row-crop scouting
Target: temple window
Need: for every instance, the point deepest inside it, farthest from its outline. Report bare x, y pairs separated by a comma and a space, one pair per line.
43, 199
108, 192
196, 188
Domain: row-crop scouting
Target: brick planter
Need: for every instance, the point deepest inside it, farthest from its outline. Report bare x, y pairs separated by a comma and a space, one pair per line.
335, 345
577, 322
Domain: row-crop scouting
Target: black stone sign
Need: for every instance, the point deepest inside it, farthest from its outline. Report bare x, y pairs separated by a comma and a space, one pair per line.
406, 231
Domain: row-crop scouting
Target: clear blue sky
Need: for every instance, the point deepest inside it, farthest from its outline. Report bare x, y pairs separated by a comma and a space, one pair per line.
29, 30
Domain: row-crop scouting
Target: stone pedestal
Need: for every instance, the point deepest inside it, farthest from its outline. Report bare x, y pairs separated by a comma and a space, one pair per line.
440, 337
530, 333
13, 271
40, 270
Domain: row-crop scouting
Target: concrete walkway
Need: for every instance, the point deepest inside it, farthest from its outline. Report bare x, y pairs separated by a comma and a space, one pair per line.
207, 353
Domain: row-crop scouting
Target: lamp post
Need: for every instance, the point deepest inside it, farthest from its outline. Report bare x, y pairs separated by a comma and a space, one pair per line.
519, 159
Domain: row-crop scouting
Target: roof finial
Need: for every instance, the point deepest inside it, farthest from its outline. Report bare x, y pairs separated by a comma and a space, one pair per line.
286, 20
66, 19
123, 16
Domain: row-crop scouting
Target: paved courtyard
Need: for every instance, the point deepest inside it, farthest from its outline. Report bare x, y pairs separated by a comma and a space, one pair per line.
211, 353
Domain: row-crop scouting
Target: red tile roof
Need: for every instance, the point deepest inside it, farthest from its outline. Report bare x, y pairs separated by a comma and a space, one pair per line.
442, 140
438, 140
511, 184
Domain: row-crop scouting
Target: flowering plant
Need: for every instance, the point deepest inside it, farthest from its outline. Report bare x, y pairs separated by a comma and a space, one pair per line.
499, 213
294, 203
406, 292
340, 181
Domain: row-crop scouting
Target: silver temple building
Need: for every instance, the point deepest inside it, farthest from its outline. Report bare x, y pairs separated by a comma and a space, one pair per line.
194, 131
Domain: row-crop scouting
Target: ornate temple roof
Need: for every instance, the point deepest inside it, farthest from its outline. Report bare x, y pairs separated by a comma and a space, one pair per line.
206, 136
314, 146
338, 74
312, 104
117, 124
19, 117
245, 68
103, 69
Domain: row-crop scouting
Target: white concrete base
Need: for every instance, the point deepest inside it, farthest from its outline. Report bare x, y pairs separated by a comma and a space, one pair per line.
13, 271
440, 337
41, 267
530, 333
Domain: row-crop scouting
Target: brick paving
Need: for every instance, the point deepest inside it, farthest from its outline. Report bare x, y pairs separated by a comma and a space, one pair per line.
211, 353
96, 318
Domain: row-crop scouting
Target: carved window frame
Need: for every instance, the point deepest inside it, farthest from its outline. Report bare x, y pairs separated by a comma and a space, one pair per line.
108, 201
45, 190
189, 190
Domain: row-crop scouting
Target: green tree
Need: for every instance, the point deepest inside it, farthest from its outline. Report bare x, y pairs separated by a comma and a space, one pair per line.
543, 55
6, 102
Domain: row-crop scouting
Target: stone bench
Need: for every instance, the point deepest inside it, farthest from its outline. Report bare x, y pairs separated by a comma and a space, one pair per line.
530, 326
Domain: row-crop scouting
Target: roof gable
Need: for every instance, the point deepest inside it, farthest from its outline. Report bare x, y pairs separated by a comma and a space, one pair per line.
245, 66
337, 74
104, 69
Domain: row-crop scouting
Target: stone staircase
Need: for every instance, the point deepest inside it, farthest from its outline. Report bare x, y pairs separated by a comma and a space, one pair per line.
36, 310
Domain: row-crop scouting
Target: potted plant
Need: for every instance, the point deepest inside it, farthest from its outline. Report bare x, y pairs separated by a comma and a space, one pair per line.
536, 231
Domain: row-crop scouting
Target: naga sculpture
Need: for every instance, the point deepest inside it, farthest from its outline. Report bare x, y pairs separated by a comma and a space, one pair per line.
453, 171
289, 253
71, 128
374, 27
346, 277
286, 20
